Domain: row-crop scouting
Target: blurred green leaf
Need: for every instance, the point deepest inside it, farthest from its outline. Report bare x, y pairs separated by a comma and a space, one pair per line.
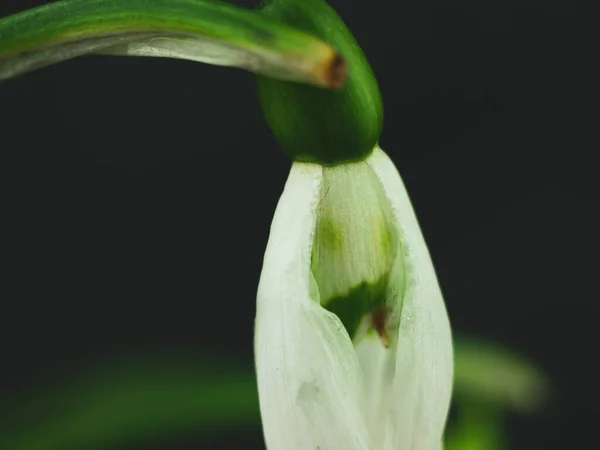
477, 427
490, 374
117, 405
149, 397
489, 381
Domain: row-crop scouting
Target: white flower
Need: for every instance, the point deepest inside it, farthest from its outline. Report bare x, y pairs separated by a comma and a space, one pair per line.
320, 388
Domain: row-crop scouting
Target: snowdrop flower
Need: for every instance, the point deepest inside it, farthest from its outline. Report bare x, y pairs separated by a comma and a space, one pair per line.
352, 340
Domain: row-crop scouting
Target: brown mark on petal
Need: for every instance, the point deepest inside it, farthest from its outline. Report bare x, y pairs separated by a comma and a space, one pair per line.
379, 319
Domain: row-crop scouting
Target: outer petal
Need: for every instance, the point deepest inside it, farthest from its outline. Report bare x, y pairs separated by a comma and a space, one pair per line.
424, 364
309, 380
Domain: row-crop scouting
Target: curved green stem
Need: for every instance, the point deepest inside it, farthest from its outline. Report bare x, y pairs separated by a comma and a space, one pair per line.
200, 30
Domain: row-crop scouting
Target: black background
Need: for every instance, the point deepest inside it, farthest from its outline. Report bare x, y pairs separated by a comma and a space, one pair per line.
138, 193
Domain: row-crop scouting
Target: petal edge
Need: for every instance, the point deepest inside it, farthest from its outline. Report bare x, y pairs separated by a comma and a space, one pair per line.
424, 362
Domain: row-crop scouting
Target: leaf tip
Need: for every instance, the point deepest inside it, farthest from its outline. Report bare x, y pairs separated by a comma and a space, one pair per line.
335, 71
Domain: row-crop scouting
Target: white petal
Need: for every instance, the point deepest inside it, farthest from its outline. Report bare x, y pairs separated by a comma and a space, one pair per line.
423, 378
377, 363
309, 380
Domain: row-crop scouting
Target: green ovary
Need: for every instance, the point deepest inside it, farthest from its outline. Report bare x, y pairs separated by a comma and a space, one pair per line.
356, 248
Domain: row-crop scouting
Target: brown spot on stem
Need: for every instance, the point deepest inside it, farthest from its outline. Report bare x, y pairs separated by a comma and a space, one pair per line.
337, 72
331, 70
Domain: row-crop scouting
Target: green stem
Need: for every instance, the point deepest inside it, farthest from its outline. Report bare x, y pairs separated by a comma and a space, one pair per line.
201, 30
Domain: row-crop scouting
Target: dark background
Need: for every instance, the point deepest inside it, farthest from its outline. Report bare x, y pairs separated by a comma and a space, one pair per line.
138, 193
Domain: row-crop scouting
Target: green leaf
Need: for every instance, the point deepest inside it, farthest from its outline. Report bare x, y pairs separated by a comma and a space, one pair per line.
130, 402
490, 380
487, 373
118, 402
207, 31
477, 428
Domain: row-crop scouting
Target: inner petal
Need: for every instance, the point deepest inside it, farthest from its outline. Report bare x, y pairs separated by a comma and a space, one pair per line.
378, 366
355, 248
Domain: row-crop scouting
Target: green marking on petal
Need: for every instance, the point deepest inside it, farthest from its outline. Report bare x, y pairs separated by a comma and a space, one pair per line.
354, 307
332, 235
